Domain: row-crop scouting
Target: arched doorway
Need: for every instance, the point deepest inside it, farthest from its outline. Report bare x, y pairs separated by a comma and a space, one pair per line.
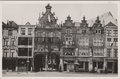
39, 61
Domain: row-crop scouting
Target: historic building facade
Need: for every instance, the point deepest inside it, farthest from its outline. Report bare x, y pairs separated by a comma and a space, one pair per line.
97, 45
25, 46
83, 44
111, 46
47, 42
9, 43
66, 47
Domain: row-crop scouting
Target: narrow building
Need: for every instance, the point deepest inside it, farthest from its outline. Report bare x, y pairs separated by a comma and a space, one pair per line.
47, 42
9, 43
111, 46
25, 47
68, 52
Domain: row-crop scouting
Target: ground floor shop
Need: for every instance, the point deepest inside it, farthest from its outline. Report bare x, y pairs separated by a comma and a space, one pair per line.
41, 62
46, 61
112, 65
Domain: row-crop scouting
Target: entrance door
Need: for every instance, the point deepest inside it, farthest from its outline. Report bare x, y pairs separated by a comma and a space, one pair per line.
115, 67
110, 67
39, 62
94, 65
65, 67
86, 67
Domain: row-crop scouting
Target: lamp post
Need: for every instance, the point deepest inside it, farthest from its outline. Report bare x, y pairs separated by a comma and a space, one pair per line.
92, 58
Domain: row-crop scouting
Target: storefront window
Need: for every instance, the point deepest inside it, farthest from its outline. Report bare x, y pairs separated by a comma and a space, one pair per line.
100, 65
80, 64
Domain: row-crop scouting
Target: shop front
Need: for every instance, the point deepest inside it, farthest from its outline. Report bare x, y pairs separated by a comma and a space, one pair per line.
68, 65
112, 66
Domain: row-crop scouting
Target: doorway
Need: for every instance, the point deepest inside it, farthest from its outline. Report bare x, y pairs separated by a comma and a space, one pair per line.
39, 62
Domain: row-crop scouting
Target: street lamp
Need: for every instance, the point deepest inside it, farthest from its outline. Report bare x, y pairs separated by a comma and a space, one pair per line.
91, 57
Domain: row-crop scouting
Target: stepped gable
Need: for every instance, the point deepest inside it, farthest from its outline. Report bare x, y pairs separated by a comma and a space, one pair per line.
68, 22
84, 22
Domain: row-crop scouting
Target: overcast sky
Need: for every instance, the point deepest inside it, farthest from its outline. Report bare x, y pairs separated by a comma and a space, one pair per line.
22, 13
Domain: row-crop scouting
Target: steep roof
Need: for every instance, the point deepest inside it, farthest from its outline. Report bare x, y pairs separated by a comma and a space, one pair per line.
110, 24
105, 19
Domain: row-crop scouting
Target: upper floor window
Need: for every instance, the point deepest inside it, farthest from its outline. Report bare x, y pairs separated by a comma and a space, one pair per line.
108, 39
12, 41
83, 31
115, 39
68, 31
115, 32
6, 41
108, 52
29, 31
115, 52
99, 31
108, 32
22, 31
25, 41
5, 53
9, 32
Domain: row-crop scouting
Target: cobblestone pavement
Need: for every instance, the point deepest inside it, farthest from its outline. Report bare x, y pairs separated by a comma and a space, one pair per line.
56, 74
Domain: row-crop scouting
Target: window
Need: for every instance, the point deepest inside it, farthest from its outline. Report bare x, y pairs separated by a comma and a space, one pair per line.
68, 52
99, 31
22, 31
6, 41
109, 39
81, 64
115, 32
83, 31
115, 52
68, 31
29, 31
115, 39
24, 41
5, 53
12, 41
108, 52
96, 31
9, 32
108, 32
24, 52
100, 65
